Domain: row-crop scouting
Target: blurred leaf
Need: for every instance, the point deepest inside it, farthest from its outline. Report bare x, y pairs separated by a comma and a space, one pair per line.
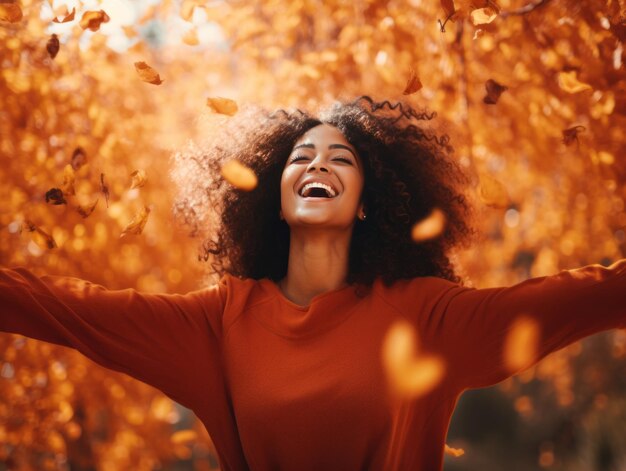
86, 210
448, 7
184, 436
104, 189
52, 46
494, 90
79, 158
492, 192
238, 175
147, 73
482, 16
413, 84
40, 237
222, 105
456, 452
520, 349
430, 227
69, 17
138, 179
68, 180
10, 12
93, 19
55, 196
138, 222
191, 37
571, 134
410, 374
568, 81
187, 8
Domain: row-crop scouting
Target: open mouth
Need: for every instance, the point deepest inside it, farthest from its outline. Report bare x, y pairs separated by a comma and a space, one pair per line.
317, 190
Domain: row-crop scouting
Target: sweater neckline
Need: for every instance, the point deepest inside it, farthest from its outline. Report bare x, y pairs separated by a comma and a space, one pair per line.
325, 311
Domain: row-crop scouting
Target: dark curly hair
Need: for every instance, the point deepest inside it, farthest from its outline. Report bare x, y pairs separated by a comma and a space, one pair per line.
408, 172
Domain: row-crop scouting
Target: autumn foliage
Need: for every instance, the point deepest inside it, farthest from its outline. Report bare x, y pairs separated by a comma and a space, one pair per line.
94, 102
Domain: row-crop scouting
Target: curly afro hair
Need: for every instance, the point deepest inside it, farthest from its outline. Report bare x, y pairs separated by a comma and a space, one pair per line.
408, 172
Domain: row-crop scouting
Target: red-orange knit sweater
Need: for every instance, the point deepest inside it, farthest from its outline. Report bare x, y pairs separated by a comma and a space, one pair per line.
284, 387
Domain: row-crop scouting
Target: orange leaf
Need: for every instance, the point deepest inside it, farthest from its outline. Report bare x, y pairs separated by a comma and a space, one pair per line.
138, 179
569, 82
238, 175
413, 84
448, 7
222, 105
187, 7
409, 373
93, 19
494, 90
456, 452
520, 348
483, 16
78, 158
67, 18
492, 192
184, 436
10, 12
68, 180
86, 210
430, 227
104, 189
40, 237
55, 196
571, 134
138, 222
147, 73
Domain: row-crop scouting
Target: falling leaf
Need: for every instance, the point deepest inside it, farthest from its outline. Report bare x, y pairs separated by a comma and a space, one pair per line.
222, 105
129, 31
483, 16
67, 18
93, 19
78, 158
191, 37
571, 134
68, 180
10, 12
55, 196
138, 222
478, 33
52, 46
520, 348
568, 81
494, 90
187, 8
492, 192
104, 188
430, 227
86, 210
183, 436
413, 84
239, 175
456, 452
410, 373
147, 73
138, 179
40, 237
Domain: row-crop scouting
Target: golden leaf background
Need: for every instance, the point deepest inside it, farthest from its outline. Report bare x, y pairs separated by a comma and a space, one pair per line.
59, 411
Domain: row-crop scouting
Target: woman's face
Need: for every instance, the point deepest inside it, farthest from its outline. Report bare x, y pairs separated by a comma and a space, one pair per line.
322, 181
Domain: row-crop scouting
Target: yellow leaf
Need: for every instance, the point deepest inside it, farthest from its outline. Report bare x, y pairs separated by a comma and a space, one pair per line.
138, 179
222, 105
238, 175
137, 224
456, 452
93, 19
191, 37
569, 82
410, 374
520, 348
68, 17
430, 227
413, 84
483, 16
492, 192
147, 73
10, 12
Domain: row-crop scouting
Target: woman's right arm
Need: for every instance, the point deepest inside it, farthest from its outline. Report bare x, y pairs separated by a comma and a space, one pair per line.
170, 341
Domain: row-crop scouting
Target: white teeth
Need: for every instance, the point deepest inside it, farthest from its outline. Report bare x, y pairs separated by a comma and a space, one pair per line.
331, 192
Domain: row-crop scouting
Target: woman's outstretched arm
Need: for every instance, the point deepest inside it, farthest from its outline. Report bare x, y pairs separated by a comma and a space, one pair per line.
471, 326
170, 341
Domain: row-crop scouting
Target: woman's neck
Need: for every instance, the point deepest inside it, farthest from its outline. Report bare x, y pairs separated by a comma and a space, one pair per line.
318, 262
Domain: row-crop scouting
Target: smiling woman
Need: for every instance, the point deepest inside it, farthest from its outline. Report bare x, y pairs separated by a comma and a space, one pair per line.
287, 360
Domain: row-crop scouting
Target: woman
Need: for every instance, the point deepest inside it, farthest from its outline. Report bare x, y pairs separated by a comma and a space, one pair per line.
281, 360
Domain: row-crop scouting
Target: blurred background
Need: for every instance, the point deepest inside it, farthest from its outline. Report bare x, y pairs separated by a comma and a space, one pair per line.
531, 92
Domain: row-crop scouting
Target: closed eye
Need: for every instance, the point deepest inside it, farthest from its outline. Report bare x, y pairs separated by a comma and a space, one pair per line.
297, 158
343, 159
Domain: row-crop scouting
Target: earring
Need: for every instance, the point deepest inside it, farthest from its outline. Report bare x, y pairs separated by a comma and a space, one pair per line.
362, 216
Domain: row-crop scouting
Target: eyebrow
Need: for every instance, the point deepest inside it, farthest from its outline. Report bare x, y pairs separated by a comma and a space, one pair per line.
332, 146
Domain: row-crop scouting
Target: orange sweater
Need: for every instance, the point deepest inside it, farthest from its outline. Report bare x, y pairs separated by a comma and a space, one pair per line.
284, 387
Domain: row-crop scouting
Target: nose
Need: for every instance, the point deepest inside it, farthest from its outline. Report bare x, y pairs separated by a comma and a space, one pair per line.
317, 165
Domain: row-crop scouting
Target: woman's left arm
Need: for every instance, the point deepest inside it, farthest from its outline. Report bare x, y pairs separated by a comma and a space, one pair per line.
471, 326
